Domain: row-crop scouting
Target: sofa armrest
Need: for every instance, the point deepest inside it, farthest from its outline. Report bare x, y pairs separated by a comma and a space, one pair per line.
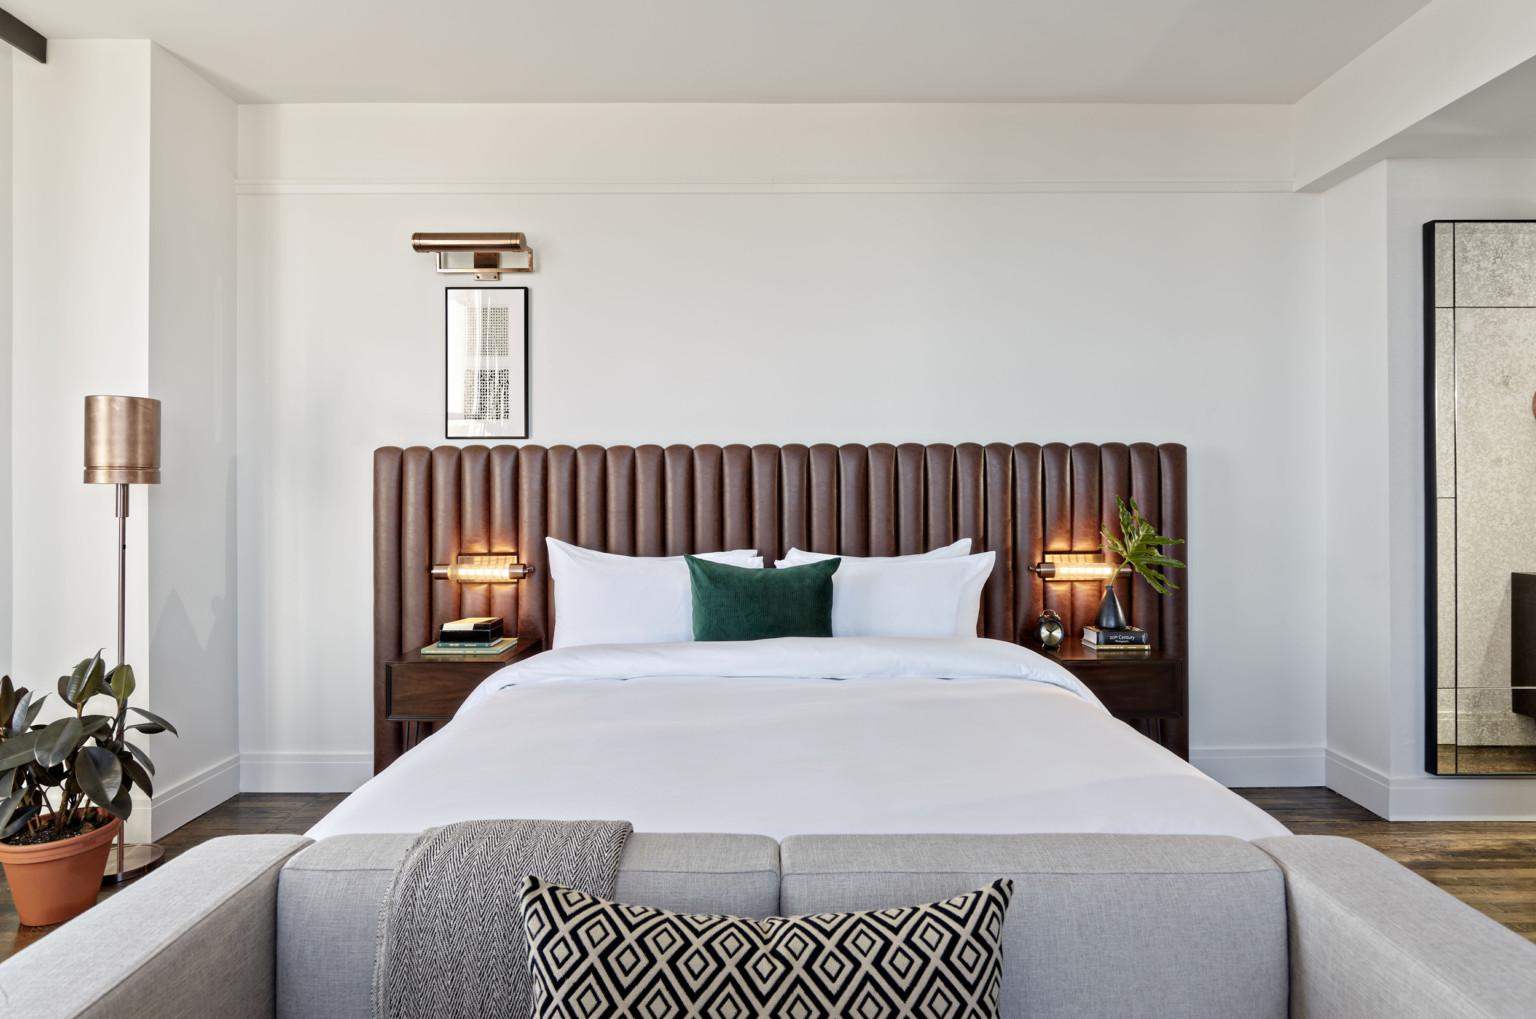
192, 938
1370, 938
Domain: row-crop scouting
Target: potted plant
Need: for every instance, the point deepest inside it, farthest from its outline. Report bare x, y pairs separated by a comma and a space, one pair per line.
1139, 547
65, 788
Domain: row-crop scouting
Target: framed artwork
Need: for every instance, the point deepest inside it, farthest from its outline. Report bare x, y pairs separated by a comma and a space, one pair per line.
487, 354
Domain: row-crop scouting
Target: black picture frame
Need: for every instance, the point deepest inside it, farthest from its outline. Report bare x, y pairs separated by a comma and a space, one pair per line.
492, 388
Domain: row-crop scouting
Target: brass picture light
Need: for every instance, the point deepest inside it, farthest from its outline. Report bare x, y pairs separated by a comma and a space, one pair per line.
480, 254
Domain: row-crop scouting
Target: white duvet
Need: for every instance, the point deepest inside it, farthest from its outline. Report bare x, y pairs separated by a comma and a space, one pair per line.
796, 736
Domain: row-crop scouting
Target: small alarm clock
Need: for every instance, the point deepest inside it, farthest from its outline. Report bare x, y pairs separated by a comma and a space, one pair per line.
1050, 629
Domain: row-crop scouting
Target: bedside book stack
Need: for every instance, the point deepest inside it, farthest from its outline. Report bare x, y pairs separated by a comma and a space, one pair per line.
476, 635
490, 650
1129, 639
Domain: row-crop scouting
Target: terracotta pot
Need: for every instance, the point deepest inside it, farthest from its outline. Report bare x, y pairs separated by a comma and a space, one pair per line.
55, 881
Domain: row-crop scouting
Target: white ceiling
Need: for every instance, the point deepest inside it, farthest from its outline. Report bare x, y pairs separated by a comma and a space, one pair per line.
1140, 51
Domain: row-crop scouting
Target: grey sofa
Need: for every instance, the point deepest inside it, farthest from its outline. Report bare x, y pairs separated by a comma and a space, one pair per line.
1101, 925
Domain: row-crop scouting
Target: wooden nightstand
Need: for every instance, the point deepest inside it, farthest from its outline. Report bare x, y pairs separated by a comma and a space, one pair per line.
422, 690
1145, 688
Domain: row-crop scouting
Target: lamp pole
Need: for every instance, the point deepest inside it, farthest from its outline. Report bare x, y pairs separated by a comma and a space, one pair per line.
122, 447
122, 576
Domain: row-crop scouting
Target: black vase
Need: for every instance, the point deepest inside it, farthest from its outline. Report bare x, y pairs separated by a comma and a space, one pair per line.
1111, 616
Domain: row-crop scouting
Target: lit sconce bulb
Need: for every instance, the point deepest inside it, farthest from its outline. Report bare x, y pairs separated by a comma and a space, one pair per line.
483, 570
1070, 566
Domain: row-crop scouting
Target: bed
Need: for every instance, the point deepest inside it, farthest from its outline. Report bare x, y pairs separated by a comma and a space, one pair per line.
756, 738
791, 735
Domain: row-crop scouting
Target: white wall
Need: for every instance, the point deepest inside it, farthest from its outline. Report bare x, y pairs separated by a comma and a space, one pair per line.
81, 174
1357, 573
699, 316
192, 372
124, 164
601, 146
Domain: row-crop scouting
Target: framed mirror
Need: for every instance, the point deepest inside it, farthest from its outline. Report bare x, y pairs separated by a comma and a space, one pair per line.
1480, 455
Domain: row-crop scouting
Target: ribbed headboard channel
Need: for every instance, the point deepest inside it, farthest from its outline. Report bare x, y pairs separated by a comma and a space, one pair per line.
431, 504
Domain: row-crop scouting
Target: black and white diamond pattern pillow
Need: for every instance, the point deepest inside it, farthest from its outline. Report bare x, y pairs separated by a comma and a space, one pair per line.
591, 958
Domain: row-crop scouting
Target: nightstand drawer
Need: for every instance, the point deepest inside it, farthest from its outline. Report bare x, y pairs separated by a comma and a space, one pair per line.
1149, 689
433, 690
1141, 689
422, 688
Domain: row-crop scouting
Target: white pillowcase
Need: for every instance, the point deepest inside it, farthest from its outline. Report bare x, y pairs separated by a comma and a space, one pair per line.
911, 598
799, 557
601, 598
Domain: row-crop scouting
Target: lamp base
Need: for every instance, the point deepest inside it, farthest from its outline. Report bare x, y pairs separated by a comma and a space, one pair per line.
138, 859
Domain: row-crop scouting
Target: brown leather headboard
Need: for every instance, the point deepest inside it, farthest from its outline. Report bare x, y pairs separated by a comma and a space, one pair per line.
1021, 500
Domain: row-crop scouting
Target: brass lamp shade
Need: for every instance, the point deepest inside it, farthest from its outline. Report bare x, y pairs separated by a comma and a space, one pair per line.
122, 440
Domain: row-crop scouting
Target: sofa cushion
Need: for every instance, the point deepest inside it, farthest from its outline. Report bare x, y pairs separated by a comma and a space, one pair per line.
330, 895
1121, 925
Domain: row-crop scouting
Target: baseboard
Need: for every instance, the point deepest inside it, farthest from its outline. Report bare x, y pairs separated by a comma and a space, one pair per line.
304, 772
1447, 798
1247, 767
1359, 782
173, 806
1432, 797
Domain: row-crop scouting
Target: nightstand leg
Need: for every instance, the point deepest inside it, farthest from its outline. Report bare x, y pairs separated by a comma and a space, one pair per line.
1175, 736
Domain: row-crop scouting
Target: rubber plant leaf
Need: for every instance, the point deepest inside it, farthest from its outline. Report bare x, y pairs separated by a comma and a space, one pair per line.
147, 728
32, 711
122, 804
19, 822
136, 774
17, 719
7, 699
18, 750
122, 682
9, 805
141, 757
84, 680
90, 725
57, 741
157, 720
99, 774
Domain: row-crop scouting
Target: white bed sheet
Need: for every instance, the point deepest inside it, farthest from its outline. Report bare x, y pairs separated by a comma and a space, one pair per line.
756, 737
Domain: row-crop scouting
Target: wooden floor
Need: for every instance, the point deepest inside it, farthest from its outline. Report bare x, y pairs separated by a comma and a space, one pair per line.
1491, 866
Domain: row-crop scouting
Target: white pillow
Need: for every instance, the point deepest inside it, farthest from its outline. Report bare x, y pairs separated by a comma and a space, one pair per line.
799, 557
602, 598
913, 598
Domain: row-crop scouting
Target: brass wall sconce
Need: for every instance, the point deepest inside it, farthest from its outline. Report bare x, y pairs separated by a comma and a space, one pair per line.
1064, 566
480, 254
484, 569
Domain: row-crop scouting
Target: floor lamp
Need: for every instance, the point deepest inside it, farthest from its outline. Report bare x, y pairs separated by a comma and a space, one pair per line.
122, 448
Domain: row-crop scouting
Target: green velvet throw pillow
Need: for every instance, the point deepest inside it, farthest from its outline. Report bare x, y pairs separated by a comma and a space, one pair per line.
736, 603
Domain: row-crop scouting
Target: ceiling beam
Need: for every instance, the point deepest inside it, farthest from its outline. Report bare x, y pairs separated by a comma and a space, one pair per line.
23, 36
1442, 53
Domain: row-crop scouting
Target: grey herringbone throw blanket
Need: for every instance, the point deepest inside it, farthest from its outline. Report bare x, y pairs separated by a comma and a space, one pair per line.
451, 943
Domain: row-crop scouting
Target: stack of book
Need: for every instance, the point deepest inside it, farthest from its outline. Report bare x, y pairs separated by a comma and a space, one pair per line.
477, 635
1129, 639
